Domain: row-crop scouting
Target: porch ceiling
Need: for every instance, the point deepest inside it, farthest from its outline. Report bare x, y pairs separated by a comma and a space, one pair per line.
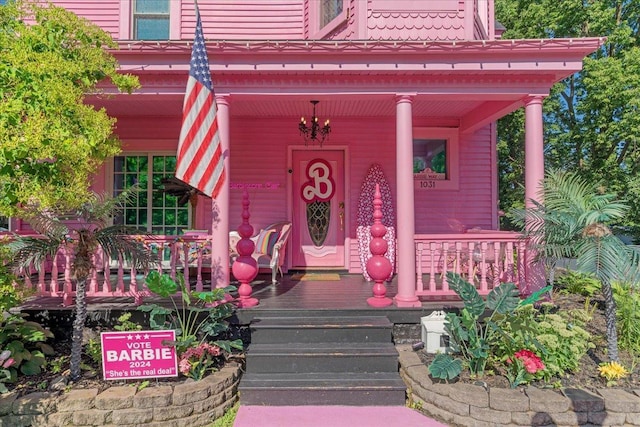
146, 105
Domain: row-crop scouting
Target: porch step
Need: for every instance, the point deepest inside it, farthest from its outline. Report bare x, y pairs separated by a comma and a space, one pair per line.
322, 360
353, 389
347, 329
322, 357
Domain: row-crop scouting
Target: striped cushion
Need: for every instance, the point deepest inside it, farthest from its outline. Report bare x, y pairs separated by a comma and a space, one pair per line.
265, 242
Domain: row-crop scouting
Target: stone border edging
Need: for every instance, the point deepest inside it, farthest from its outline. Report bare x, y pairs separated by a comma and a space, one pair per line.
190, 403
468, 404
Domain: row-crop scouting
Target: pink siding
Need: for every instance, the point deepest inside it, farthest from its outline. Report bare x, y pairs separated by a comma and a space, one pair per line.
162, 133
382, 134
470, 206
259, 157
104, 13
289, 19
246, 19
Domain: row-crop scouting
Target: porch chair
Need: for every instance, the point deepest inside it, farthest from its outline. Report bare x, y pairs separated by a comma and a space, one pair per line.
270, 247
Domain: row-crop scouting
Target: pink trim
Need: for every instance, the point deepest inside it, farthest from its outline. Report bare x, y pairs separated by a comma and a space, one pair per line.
491, 24
175, 19
469, 18
125, 19
313, 8
406, 296
494, 176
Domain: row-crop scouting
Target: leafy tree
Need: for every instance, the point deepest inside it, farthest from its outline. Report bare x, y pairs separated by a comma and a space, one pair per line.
51, 141
81, 233
592, 123
575, 221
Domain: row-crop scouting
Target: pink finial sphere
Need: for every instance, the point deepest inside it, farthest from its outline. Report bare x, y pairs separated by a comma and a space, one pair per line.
378, 267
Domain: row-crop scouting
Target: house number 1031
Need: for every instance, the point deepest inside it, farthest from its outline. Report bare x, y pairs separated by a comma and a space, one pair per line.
427, 184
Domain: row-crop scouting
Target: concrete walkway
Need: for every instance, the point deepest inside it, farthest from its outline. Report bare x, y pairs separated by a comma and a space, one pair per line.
331, 416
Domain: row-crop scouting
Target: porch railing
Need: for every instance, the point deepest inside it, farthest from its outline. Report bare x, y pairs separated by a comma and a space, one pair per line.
185, 255
484, 258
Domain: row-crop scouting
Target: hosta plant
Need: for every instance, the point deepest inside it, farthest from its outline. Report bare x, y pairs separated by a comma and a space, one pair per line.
6, 361
472, 329
26, 342
196, 317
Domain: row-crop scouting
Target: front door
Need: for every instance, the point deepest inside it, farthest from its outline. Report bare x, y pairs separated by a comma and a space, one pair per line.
318, 209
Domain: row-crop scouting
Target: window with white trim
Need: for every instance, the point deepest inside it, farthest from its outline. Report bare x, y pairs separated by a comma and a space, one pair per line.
151, 209
151, 19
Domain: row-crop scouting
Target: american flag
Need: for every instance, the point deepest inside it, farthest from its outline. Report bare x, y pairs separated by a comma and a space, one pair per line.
200, 162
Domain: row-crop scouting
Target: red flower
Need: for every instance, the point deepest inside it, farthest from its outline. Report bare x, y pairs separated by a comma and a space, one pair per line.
530, 360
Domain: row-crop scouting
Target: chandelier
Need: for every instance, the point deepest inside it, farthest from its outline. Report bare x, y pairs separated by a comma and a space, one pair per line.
314, 133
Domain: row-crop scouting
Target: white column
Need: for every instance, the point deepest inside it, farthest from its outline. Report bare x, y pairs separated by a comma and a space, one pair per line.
406, 296
220, 205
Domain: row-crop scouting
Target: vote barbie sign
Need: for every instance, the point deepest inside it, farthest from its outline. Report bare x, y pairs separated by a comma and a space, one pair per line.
138, 354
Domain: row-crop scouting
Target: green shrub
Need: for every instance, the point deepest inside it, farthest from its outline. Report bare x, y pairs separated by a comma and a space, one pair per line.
474, 330
628, 316
93, 348
573, 282
558, 338
196, 318
27, 343
12, 294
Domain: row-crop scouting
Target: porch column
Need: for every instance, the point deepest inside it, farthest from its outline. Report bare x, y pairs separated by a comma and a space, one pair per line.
220, 205
406, 296
534, 174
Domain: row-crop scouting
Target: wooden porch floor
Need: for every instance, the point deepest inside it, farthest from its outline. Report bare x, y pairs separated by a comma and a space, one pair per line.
290, 297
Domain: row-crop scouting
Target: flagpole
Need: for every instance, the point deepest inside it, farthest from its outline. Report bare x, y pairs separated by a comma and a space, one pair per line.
203, 151
220, 276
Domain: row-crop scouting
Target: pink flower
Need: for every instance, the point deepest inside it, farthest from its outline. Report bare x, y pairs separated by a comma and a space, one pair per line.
8, 362
184, 366
532, 363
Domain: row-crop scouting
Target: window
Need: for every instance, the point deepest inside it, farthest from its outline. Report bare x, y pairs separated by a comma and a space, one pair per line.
151, 20
430, 158
329, 10
4, 221
435, 158
151, 209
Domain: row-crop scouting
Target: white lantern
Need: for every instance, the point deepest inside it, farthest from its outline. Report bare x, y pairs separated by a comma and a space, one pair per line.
434, 337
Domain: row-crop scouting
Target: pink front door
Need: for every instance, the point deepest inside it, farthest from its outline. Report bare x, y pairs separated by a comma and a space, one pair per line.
318, 209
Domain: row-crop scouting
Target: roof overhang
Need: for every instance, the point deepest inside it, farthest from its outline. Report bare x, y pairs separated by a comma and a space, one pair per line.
473, 82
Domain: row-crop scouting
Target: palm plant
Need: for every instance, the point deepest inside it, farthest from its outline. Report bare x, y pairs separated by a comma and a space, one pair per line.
81, 233
573, 221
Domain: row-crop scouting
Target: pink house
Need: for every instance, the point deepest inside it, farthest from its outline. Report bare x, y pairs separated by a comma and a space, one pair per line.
414, 87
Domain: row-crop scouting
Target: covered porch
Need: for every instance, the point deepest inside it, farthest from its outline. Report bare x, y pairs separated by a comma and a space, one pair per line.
485, 258
381, 97
335, 292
